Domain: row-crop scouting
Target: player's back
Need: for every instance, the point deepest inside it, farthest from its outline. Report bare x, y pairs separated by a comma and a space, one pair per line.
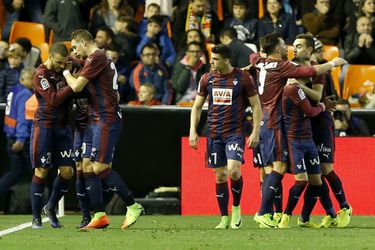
272, 77
228, 99
297, 124
101, 72
53, 96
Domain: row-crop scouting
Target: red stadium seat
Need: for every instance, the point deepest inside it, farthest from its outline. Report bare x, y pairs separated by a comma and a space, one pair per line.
33, 31
357, 77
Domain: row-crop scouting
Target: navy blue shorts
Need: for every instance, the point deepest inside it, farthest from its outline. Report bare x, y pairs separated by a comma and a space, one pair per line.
273, 146
78, 144
304, 157
51, 147
257, 158
99, 141
220, 150
324, 137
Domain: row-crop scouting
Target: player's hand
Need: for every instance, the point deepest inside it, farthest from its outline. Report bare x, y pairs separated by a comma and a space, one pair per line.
369, 41
121, 79
338, 61
193, 140
291, 81
330, 102
17, 146
253, 140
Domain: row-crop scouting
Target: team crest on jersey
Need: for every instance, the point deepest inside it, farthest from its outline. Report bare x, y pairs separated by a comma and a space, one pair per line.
222, 96
235, 81
301, 94
44, 83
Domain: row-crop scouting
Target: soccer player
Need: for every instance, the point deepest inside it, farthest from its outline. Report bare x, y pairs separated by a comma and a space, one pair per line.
273, 72
323, 134
303, 154
230, 90
103, 128
51, 126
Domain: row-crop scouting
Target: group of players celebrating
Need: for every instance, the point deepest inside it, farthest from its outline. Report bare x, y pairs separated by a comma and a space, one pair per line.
293, 131
90, 79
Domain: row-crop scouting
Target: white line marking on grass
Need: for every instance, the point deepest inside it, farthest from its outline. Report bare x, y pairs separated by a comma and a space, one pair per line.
20, 227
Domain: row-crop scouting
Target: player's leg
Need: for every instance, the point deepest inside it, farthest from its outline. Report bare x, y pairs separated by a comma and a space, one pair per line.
296, 156
314, 189
63, 158
40, 156
234, 150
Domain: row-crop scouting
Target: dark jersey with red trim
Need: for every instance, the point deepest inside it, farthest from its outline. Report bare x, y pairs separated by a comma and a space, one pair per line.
228, 99
297, 112
53, 95
101, 72
272, 77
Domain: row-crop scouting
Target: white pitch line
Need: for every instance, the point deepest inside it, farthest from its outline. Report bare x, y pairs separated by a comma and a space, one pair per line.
20, 227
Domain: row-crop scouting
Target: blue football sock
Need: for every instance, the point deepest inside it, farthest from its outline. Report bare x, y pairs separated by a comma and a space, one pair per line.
236, 186
37, 190
313, 192
222, 196
326, 201
337, 189
270, 186
82, 196
94, 191
60, 187
295, 193
278, 202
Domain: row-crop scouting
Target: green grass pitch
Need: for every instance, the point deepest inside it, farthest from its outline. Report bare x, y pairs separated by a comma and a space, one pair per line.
185, 232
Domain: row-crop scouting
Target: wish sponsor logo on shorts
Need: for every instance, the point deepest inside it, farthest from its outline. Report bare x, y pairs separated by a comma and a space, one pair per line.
235, 147
222, 96
66, 153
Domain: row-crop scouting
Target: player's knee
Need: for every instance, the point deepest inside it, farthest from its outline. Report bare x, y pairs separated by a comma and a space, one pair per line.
221, 175
235, 173
66, 172
326, 168
87, 166
41, 173
99, 167
315, 179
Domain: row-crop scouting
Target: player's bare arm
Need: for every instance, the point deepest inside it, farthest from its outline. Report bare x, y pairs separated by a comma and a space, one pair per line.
195, 117
76, 84
323, 68
253, 140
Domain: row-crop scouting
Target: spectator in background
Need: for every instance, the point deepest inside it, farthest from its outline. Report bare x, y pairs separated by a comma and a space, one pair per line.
197, 15
10, 75
193, 35
148, 70
359, 47
126, 35
247, 28
240, 53
365, 8
104, 36
18, 130
62, 25
320, 24
30, 54
4, 47
154, 35
21, 10
107, 12
153, 9
123, 71
187, 72
345, 123
146, 96
276, 20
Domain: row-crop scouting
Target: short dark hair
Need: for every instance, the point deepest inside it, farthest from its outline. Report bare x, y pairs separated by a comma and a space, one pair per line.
229, 32
150, 46
240, 3
108, 31
113, 47
309, 40
24, 43
82, 34
59, 48
156, 19
223, 50
342, 101
269, 42
153, 5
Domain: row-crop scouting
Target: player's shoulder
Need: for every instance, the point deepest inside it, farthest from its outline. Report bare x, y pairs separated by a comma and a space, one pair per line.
291, 88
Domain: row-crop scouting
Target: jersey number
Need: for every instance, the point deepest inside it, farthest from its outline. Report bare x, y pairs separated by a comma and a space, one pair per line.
115, 85
262, 79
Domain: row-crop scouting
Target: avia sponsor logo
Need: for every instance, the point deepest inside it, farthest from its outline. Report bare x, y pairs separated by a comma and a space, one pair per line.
222, 96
